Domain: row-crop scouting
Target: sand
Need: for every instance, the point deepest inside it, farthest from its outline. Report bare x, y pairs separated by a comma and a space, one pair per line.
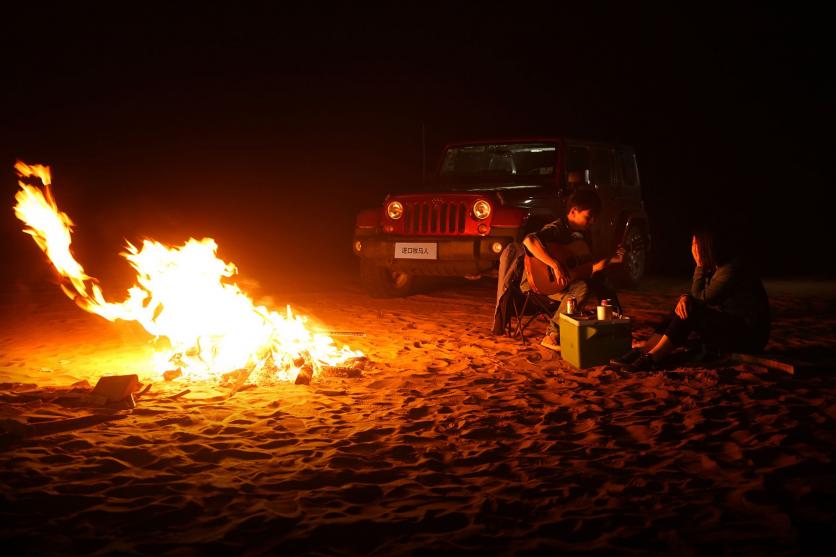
451, 441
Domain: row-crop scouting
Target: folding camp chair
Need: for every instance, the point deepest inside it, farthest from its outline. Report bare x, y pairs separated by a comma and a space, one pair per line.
528, 307
516, 310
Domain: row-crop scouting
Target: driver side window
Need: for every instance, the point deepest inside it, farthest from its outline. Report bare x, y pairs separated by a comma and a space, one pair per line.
577, 163
601, 166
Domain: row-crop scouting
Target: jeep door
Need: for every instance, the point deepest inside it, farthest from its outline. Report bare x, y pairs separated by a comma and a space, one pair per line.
602, 177
629, 188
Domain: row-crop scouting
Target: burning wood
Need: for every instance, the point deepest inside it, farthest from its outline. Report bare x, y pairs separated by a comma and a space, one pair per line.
172, 374
305, 375
238, 378
185, 297
352, 367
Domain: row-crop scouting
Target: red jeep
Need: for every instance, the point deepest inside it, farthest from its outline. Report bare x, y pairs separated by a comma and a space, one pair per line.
487, 194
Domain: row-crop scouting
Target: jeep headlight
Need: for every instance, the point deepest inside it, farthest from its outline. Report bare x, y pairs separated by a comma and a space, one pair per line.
481, 209
394, 209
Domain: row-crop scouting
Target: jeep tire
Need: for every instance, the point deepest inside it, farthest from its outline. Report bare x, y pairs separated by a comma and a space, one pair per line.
632, 270
381, 282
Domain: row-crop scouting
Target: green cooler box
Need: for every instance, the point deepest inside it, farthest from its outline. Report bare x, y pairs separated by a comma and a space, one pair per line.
590, 342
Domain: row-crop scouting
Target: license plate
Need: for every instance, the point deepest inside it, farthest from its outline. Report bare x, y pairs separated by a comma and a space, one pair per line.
419, 250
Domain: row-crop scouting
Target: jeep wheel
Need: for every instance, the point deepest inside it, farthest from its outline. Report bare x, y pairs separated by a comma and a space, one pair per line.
635, 259
381, 282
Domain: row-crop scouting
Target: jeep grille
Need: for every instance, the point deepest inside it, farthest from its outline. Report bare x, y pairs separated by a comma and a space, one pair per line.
423, 217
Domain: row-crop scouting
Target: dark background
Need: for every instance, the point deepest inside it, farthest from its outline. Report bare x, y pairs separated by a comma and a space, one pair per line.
268, 128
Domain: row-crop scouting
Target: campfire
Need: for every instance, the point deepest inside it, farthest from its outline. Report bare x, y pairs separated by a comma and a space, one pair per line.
204, 326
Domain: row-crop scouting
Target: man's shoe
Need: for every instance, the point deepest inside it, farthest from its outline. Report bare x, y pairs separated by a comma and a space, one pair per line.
551, 341
626, 359
643, 363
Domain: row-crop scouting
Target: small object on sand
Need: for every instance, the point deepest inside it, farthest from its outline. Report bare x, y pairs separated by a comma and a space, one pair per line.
341, 371
126, 403
115, 388
69, 424
241, 376
145, 390
181, 393
93, 400
305, 375
353, 367
763, 361
172, 374
343, 333
357, 362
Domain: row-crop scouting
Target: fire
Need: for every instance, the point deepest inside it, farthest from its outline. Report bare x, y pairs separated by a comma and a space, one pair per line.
183, 296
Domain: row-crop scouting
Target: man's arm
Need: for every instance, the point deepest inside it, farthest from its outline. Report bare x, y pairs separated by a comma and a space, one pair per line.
535, 247
606, 262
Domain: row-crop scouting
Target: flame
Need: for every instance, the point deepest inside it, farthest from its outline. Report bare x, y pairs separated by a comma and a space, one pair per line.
183, 295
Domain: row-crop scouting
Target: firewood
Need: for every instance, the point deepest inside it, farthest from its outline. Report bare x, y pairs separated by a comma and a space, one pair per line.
115, 388
343, 333
242, 376
341, 371
305, 375
764, 361
59, 426
181, 393
145, 390
126, 403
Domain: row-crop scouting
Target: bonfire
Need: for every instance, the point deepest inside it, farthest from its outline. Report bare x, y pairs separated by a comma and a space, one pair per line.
203, 325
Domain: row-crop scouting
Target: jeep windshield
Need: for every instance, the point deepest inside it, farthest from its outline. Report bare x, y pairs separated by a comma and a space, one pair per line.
500, 165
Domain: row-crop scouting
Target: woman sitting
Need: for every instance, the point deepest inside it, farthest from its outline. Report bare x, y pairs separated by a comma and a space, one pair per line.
727, 307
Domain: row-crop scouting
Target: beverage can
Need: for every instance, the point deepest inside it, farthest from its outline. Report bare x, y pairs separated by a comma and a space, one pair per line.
571, 305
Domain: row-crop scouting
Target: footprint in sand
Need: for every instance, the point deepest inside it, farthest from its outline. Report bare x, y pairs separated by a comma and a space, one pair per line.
472, 350
437, 365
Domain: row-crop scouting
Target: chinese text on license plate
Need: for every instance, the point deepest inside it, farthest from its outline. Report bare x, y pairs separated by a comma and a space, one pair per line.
416, 250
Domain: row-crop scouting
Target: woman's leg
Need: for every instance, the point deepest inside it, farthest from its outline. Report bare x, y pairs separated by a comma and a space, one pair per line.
661, 349
721, 330
676, 331
651, 342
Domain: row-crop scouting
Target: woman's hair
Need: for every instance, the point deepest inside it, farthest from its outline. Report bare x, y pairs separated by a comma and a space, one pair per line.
715, 244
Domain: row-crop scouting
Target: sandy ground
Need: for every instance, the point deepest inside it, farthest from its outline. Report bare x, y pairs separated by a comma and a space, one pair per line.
452, 440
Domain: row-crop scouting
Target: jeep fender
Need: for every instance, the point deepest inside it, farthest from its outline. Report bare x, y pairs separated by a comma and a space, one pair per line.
626, 222
512, 219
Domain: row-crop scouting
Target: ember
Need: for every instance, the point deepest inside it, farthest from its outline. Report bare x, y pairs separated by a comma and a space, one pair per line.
185, 296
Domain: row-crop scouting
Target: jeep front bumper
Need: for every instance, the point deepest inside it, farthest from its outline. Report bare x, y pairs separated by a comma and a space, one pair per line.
454, 256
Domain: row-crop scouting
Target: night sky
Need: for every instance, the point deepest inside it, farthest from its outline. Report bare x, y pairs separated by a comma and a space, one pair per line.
268, 128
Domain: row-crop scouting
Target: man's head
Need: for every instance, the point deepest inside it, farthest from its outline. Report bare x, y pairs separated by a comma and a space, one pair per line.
581, 209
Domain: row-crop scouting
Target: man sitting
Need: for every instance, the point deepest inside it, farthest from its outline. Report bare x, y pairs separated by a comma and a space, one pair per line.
582, 208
